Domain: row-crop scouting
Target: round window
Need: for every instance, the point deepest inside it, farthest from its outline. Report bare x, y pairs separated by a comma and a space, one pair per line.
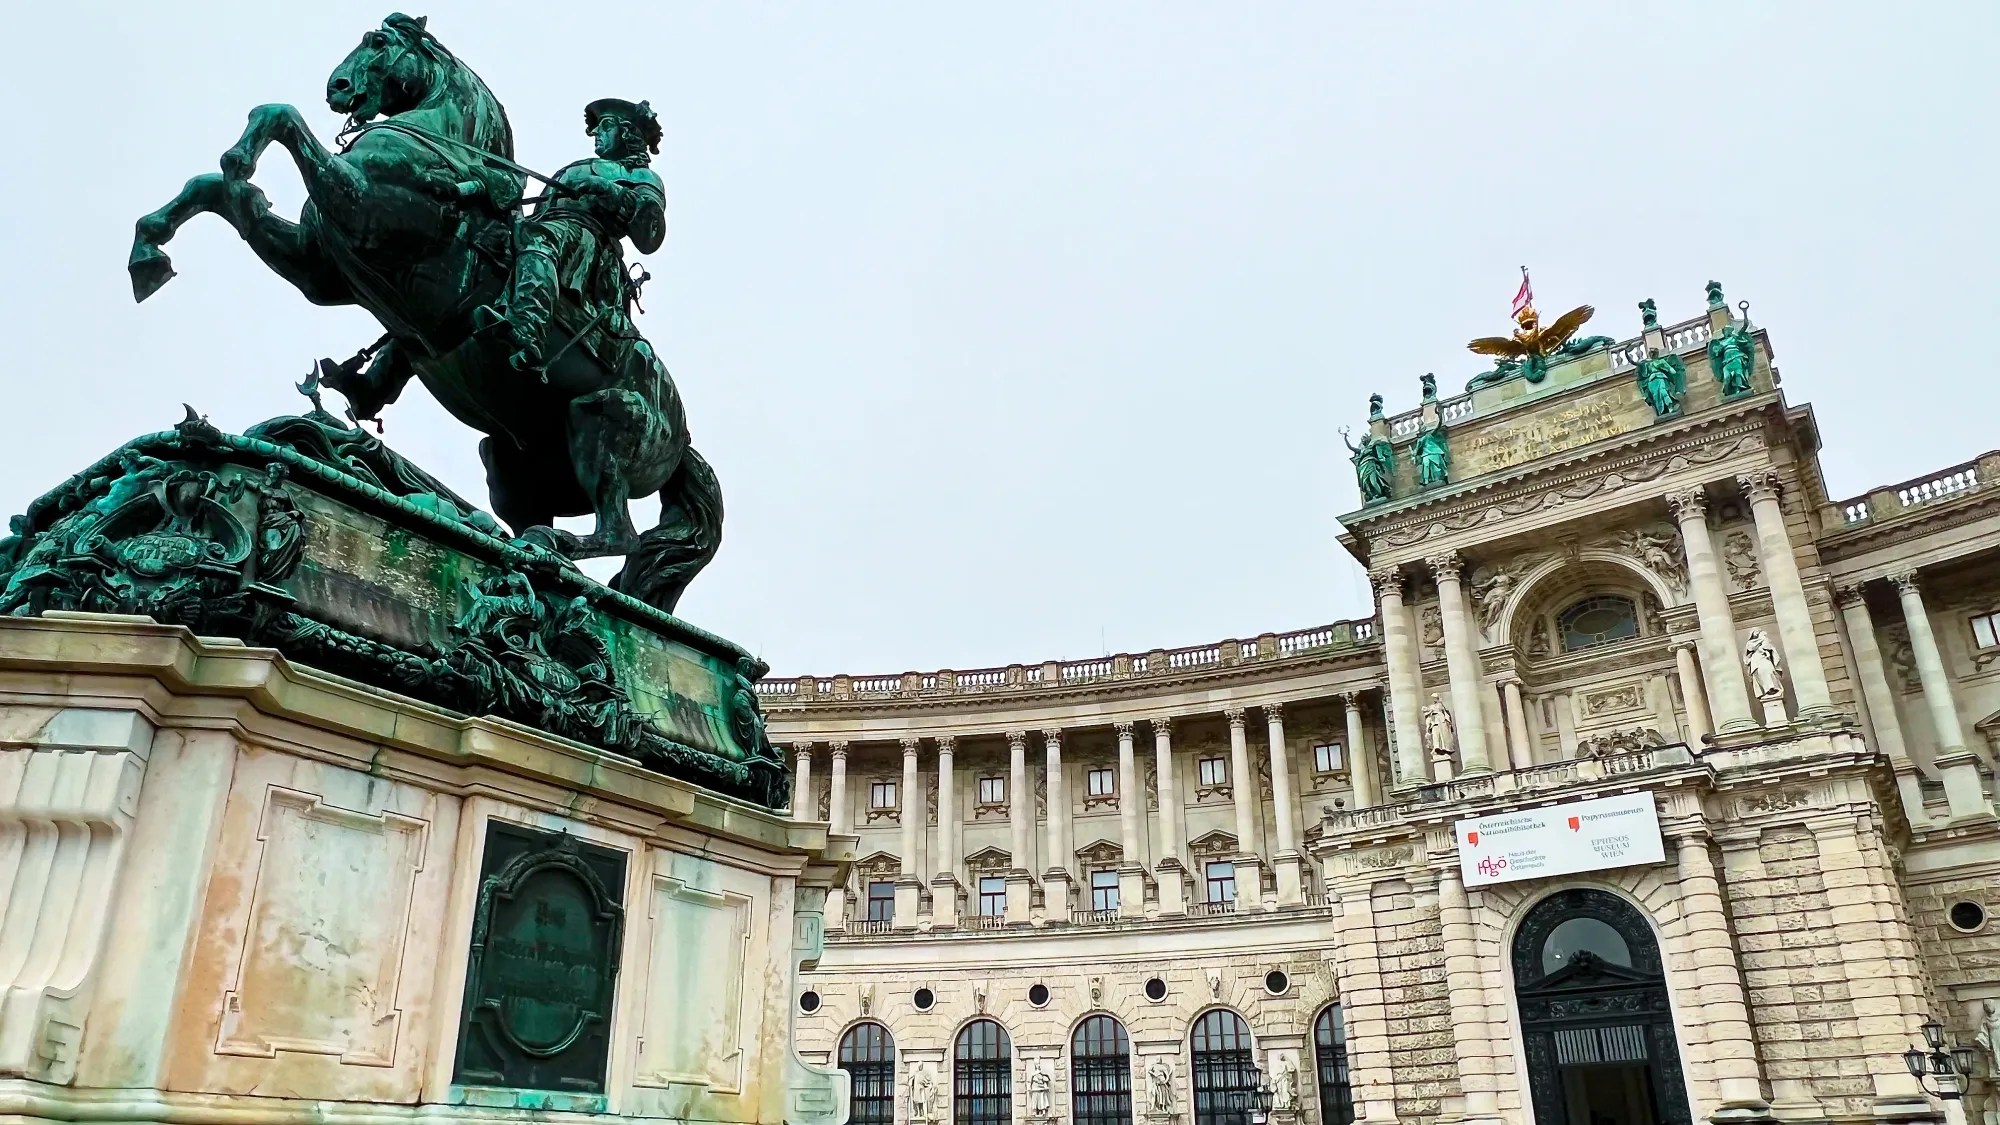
1967, 916
924, 998
1038, 995
1156, 989
809, 1001
1276, 982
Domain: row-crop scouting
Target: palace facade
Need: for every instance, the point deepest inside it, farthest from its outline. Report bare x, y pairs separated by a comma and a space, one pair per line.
1614, 601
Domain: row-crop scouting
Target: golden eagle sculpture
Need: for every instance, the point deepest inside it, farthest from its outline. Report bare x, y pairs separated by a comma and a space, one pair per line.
1530, 350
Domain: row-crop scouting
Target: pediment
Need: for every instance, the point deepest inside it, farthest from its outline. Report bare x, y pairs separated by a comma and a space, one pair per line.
1587, 973
989, 859
878, 864
1101, 852
1213, 844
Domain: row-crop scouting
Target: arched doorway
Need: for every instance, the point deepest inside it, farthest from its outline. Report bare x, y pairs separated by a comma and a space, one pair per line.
1225, 1069
982, 1075
1599, 1036
868, 1053
1336, 1094
1100, 1073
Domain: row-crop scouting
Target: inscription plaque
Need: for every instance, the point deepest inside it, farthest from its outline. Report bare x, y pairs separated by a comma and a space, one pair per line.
544, 960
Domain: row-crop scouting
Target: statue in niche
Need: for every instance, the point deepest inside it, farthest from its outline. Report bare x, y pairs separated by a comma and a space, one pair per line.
1440, 732
1490, 592
1284, 1085
1663, 380
1160, 1086
923, 1094
1989, 1031
1732, 355
1041, 1089
1433, 457
1374, 466
1760, 660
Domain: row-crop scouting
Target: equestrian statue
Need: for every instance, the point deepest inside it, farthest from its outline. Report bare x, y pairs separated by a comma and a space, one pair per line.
516, 312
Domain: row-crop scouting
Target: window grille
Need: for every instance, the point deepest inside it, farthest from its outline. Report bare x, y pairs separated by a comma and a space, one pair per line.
1225, 1071
1336, 1094
983, 1075
869, 1054
1100, 1073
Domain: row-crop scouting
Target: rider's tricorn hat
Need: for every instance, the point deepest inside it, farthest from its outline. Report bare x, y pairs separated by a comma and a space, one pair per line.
637, 113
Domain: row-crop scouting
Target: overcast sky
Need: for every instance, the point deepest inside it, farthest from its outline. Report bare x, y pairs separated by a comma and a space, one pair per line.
1026, 331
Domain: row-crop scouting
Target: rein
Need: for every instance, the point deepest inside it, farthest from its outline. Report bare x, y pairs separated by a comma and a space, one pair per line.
436, 143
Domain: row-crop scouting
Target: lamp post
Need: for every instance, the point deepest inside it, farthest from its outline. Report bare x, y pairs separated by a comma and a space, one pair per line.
1951, 1068
1253, 1104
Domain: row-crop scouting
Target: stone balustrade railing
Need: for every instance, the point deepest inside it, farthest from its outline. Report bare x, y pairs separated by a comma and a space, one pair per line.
1932, 488
1318, 641
1551, 775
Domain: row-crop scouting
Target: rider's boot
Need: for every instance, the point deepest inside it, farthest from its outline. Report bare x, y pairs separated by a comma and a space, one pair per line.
533, 305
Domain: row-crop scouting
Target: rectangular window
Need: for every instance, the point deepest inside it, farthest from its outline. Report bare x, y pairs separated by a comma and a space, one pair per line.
1326, 757
1986, 629
1221, 882
992, 896
1099, 783
882, 795
1214, 771
992, 790
1104, 890
881, 902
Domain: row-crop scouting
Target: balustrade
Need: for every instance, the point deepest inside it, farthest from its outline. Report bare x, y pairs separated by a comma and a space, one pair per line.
1932, 488
1547, 776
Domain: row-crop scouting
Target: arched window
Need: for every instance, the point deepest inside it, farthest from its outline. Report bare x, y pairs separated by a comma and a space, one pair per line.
1336, 1096
983, 1075
1598, 620
1225, 1069
1100, 1073
869, 1054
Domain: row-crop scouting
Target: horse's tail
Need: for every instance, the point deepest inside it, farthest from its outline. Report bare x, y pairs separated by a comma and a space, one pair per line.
686, 538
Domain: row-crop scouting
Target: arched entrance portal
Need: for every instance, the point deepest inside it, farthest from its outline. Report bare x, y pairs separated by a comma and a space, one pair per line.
1599, 1036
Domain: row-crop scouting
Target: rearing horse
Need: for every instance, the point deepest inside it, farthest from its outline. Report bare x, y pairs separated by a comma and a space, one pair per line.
413, 221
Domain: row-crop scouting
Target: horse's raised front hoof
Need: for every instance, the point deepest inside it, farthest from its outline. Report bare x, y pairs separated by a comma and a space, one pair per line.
554, 540
237, 165
150, 268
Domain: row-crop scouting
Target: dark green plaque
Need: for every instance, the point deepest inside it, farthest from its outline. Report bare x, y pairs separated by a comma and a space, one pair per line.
544, 961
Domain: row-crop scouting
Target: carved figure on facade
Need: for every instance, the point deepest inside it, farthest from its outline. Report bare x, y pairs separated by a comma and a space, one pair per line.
1491, 590
931, 804
1284, 1085
1374, 465
1732, 356
1989, 1032
1901, 656
1160, 1086
1433, 457
1605, 744
1440, 732
1739, 557
1663, 380
1658, 549
1430, 626
1041, 1090
1760, 660
923, 1093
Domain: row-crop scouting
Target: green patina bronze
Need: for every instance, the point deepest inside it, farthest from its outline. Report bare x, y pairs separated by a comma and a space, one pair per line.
1649, 315
514, 312
1732, 355
1432, 453
1374, 464
316, 539
1663, 380
1715, 299
539, 979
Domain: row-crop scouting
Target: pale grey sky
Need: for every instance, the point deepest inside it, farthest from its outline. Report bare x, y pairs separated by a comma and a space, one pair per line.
1026, 331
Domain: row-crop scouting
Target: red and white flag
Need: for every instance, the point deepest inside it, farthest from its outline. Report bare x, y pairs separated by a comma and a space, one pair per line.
1525, 296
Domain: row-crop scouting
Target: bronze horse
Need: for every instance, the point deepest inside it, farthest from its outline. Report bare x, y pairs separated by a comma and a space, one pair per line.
413, 220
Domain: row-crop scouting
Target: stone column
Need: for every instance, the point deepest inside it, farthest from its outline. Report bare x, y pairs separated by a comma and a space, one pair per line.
1399, 652
1360, 761
1722, 1008
802, 782
910, 817
1962, 787
944, 885
840, 819
1021, 819
1689, 671
1721, 664
1880, 700
1242, 784
1167, 868
1519, 749
1788, 595
1131, 828
1462, 663
1056, 866
1466, 987
1291, 883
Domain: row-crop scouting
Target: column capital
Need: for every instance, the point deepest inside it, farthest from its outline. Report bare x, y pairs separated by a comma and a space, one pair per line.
946, 743
1235, 717
1906, 582
1162, 724
803, 750
1274, 712
1124, 730
911, 746
1386, 581
1688, 643
1445, 564
1758, 485
1690, 503
1052, 739
1017, 740
838, 750
1851, 594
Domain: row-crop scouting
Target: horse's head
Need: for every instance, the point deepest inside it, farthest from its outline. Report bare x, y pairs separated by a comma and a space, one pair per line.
393, 69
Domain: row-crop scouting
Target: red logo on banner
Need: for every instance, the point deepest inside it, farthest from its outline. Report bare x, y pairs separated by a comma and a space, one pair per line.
1472, 838
1575, 825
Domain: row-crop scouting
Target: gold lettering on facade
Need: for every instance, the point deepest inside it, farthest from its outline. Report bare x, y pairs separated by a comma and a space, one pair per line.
1607, 415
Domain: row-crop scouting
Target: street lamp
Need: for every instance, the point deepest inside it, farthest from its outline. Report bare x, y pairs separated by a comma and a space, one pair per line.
1952, 1069
1254, 1103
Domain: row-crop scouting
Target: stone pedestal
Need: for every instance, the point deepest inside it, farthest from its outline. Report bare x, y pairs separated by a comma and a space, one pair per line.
944, 902
1057, 900
909, 896
1131, 891
1291, 884
1171, 878
1020, 898
265, 887
1963, 791
1249, 883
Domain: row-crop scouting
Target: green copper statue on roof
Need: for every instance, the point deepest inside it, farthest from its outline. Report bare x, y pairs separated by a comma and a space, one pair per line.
514, 312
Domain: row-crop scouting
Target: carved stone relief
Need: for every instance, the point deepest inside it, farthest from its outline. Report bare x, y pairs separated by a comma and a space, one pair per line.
1431, 631
1739, 556
1657, 548
1624, 697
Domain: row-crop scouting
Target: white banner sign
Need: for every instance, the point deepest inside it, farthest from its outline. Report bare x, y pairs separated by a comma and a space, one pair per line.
1560, 840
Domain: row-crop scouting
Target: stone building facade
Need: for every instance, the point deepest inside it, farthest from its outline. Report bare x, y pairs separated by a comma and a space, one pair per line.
1624, 578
